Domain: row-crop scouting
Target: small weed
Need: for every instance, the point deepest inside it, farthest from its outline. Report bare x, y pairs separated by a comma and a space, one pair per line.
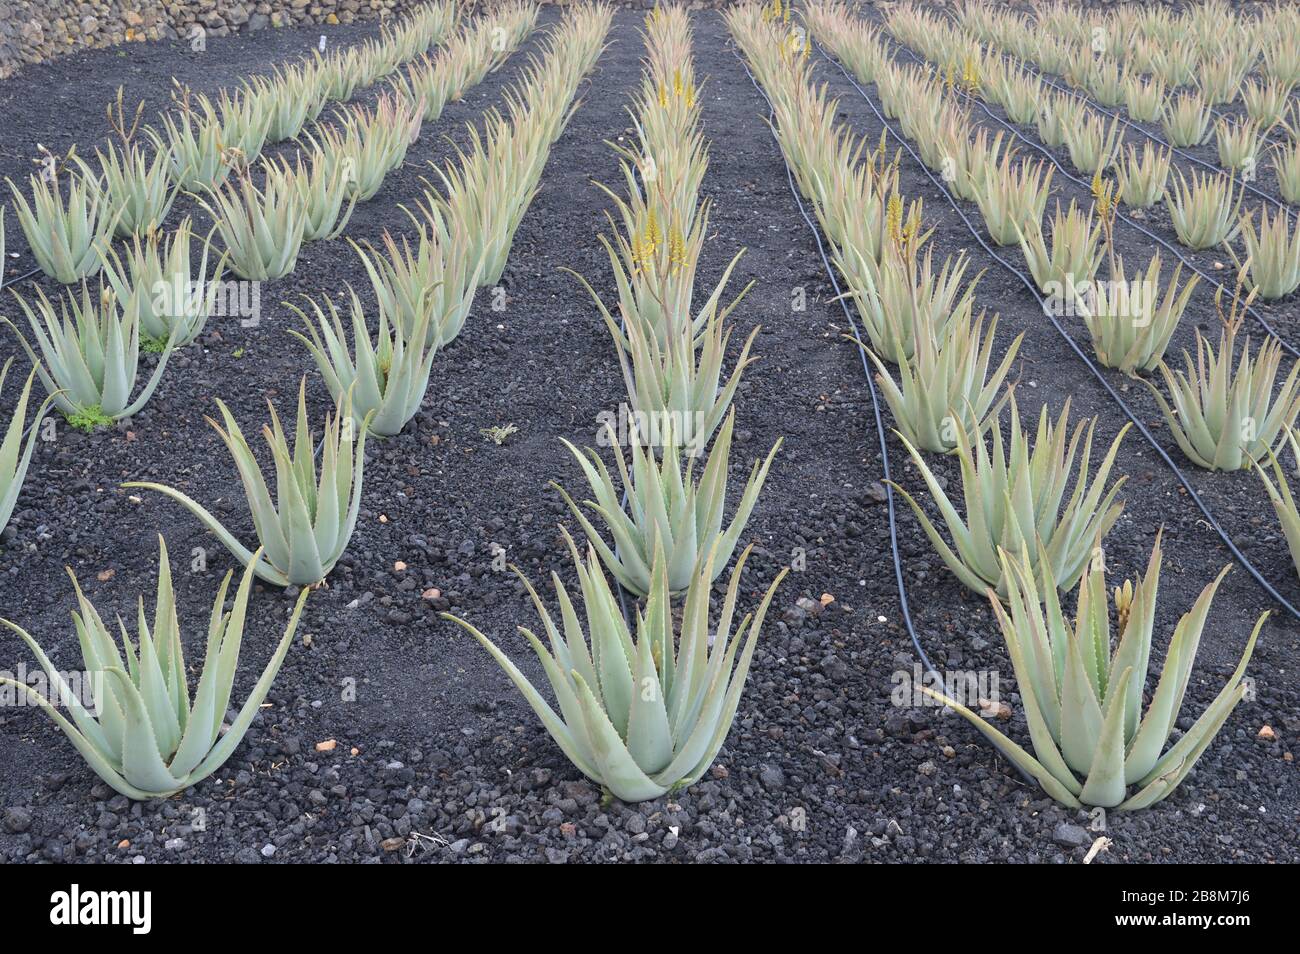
87, 419
498, 435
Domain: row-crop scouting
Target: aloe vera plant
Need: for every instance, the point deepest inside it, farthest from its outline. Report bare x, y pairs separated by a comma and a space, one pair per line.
1203, 210
303, 537
1129, 322
655, 272
856, 216
1272, 265
973, 158
375, 60
1014, 495
1140, 180
903, 298
1266, 102
1223, 418
291, 97
366, 145
141, 190
386, 379
156, 283
1105, 81
67, 238
1176, 63
431, 286
1010, 197
15, 455
322, 191
197, 155
342, 71
1280, 60
1144, 97
1286, 163
262, 228
1083, 701
149, 738
665, 509
89, 355
946, 386
245, 121
429, 83
1221, 77
680, 381
1092, 144
1238, 144
1020, 93
641, 714
1074, 256
1186, 119
1055, 115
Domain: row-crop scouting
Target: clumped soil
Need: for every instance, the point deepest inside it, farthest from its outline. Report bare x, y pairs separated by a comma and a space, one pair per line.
393, 737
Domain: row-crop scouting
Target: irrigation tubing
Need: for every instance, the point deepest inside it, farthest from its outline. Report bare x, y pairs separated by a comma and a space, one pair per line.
1168, 246
875, 399
1074, 346
21, 278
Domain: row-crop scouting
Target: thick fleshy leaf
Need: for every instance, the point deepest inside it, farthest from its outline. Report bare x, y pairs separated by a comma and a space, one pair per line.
1105, 783
618, 772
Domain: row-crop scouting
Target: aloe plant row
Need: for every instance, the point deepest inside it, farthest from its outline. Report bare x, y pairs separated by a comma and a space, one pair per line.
378, 384
196, 147
1206, 47
672, 357
1205, 209
1002, 545
486, 189
423, 290
349, 159
645, 704
147, 737
479, 48
1220, 418
915, 314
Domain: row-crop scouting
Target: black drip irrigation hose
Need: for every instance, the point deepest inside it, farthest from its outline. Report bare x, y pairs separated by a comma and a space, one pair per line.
1167, 245
875, 400
1074, 346
21, 278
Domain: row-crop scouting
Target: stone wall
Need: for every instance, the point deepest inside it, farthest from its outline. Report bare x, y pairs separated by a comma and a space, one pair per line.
32, 31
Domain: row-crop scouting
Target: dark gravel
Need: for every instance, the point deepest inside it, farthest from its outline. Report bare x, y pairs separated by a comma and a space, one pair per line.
434, 757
